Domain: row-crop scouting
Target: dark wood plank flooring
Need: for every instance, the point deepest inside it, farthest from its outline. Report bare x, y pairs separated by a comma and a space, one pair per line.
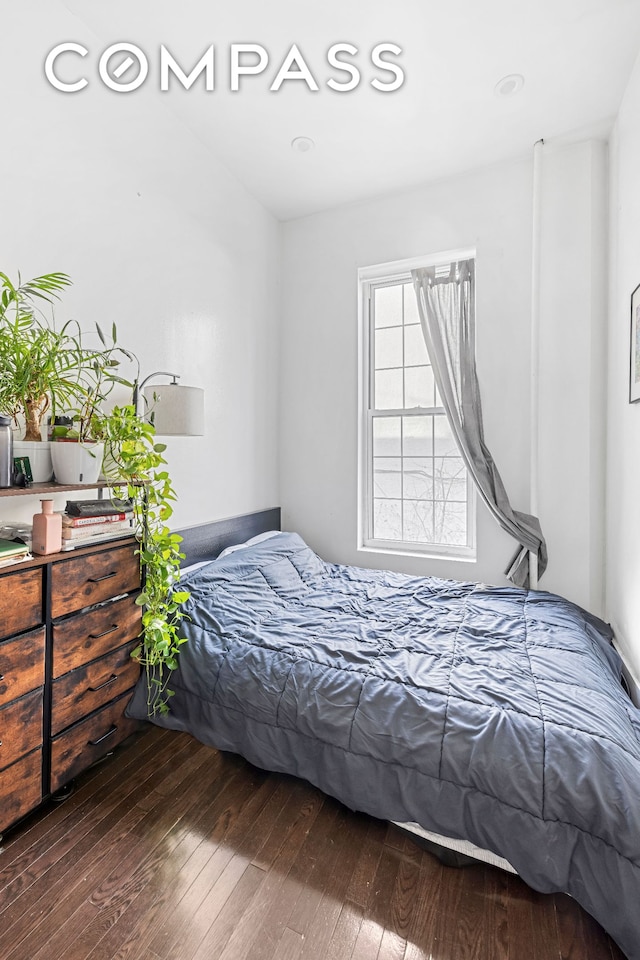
169, 850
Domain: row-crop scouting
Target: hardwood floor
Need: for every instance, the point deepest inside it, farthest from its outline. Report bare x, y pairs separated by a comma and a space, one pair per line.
169, 850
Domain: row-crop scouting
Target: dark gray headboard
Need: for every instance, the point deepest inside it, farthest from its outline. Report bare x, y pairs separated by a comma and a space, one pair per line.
204, 541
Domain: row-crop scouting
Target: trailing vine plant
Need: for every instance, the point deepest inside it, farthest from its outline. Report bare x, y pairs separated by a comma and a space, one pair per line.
134, 463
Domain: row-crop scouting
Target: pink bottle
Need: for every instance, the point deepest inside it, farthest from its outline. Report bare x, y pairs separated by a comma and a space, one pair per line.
47, 530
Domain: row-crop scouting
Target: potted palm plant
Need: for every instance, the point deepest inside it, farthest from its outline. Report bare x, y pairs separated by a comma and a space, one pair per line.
40, 364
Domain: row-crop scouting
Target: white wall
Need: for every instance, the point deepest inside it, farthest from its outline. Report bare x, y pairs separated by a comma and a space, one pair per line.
623, 426
158, 237
573, 307
489, 210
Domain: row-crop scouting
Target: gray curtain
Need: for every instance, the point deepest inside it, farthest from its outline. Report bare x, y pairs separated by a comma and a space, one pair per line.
446, 303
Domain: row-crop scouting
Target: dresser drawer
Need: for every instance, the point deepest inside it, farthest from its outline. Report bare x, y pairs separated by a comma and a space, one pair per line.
79, 747
20, 788
21, 665
82, 691
92, 578
89, 635
21, 601
20, 728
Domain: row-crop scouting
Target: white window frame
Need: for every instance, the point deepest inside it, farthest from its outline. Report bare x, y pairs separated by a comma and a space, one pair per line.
368, 278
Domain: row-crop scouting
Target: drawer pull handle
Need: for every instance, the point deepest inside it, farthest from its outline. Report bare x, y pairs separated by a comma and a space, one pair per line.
107, 576
109, 733
112, 678
96, 636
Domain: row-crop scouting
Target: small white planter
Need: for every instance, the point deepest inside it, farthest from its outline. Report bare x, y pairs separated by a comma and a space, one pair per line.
75, 462
39, 453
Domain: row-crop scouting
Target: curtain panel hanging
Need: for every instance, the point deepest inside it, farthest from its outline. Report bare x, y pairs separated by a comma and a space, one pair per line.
446, 304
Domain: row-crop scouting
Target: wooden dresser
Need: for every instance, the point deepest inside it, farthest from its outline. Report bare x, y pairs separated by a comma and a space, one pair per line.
68, 623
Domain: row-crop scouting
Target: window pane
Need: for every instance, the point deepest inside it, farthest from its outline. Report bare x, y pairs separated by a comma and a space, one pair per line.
387, 520
417, 436
411, 314
387, 477
388, 348
418, 521
443, 442
415, 349
417, 478
418, 387
388, 389
451, 524
418, 490
450, 479
386, 437
387, 305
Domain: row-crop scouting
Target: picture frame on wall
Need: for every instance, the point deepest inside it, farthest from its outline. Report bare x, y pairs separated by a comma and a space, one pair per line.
634, 359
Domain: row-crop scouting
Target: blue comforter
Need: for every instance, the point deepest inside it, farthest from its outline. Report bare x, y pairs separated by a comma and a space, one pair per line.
489, 714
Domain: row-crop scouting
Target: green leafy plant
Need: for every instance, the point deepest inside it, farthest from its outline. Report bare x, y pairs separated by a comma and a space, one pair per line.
98, 374
137, 465
40, 365
20, 302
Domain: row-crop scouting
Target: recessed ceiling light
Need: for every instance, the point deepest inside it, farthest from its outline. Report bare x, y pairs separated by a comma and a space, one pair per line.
302, 144
509, 85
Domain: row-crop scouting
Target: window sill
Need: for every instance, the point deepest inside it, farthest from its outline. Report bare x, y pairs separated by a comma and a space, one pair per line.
468, 556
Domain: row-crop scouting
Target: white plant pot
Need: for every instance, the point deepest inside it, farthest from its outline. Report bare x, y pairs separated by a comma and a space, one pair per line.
76, 462
39, 453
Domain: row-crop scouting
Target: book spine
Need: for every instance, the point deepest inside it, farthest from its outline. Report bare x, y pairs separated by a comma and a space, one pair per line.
12, 554
93, 521
84, 533
96, 508
8, 561
107, 536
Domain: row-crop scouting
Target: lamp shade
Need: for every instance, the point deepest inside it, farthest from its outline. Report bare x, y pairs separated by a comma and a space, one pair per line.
174, 410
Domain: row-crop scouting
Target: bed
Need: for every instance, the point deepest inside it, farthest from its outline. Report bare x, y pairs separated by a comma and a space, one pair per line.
493, 716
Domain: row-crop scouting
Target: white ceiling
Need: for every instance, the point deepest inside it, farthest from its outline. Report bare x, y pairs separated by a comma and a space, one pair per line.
575, 55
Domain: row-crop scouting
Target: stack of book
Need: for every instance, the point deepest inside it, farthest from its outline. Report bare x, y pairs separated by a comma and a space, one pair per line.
94, 521
11, 551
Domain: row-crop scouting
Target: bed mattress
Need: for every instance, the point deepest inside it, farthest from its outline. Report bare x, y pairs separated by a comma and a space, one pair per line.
489, 715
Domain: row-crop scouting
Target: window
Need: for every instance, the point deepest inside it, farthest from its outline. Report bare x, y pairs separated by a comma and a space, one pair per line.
415, 493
